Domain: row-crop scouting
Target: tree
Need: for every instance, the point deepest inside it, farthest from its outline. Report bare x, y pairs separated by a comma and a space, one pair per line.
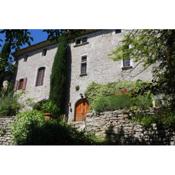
152, 47
14, 40
58, 86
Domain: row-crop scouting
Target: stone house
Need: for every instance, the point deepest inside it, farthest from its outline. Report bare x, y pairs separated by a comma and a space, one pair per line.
89, 62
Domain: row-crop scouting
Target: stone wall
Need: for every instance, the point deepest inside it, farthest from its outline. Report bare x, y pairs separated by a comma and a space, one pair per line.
117, 128
5, 131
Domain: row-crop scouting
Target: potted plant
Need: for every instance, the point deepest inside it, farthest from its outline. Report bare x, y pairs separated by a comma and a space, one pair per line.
50, 109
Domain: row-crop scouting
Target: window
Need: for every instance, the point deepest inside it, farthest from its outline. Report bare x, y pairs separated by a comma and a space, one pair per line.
83, 65
126, 64
21, 84
118, 31
84, 40
78, 41
44, 52
40, 76
25, 58
81, 41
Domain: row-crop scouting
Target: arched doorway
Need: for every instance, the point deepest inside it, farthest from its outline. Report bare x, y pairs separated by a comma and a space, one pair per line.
81, 109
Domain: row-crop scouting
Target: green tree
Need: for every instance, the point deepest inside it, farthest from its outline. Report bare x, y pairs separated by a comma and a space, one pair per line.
149, 47
14, 40
59, 75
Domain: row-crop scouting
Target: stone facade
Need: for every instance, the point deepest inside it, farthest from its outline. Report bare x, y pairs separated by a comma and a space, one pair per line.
100, 68
117, 128
5, 130
28, 69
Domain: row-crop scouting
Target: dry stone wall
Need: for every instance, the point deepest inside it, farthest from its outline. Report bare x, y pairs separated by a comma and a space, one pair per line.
5, 131
117, 128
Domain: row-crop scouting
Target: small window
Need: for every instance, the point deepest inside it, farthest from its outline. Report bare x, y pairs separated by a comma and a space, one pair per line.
78, 41
40, 76
84, 40
21, 83
83, 58
44, 52
83, 65
118, 31
25, 58
81, 41
127, 63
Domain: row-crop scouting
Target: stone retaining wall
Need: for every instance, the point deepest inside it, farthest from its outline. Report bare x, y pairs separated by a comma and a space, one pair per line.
117, 128
5, 131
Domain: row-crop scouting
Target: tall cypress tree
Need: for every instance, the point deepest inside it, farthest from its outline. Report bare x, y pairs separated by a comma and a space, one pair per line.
58, 81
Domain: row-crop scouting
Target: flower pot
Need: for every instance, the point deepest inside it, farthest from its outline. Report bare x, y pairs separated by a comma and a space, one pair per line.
48, 116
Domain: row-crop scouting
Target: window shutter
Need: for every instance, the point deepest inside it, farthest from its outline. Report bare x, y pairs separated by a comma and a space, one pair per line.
24, 84
16, 85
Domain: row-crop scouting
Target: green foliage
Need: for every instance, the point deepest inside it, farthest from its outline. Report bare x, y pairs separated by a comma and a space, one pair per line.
9, 105
163, 119
117, 95
23, 124
110, 103
144, 119
47, 106
148, 47
59, 76
30, 128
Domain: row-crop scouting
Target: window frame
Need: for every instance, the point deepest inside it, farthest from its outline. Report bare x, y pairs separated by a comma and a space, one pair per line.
82, 42
40, 76
83, 62
126, 67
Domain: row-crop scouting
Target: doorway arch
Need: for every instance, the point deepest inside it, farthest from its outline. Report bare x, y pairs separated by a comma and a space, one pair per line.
81, 109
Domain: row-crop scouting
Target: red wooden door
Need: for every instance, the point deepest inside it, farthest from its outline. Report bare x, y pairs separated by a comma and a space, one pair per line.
81, 109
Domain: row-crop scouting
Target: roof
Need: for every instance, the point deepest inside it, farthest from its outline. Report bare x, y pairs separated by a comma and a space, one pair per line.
46, 43
34, 47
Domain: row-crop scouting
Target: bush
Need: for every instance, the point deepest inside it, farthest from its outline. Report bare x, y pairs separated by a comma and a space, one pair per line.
110, 103
144, 119
164, 119
125, 101
47, 106
100, 94
23, 124
30, 128
9, 105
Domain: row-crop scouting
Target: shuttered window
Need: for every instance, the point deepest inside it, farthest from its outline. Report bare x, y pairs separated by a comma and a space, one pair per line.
21, 84
40, 76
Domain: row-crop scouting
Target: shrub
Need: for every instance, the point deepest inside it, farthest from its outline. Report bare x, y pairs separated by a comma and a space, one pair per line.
47, 106
55, 132
110, 103
142, 101
164, 119
124, 101
22, 127
96, 93
9, 105
30, 128
144, 119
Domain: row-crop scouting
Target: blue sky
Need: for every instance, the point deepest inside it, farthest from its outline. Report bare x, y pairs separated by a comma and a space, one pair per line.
38, 35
